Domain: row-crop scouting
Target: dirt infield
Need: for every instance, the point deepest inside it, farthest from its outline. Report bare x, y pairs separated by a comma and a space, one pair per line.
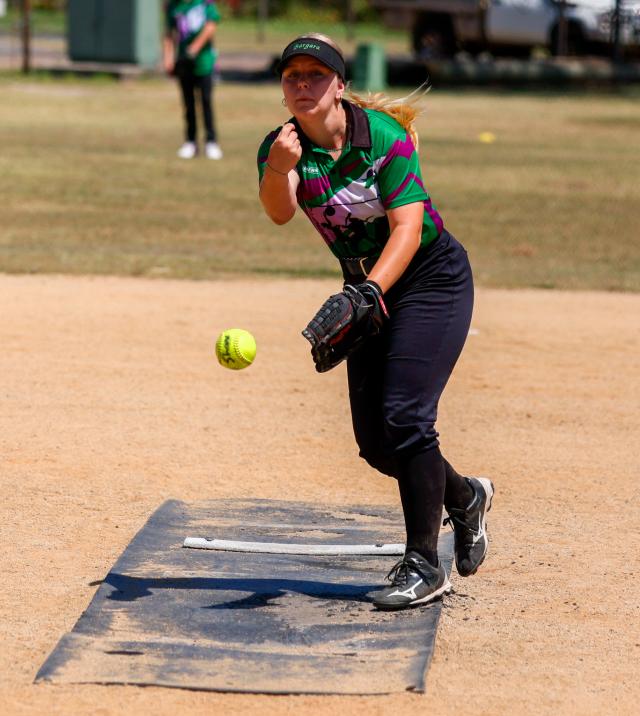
113, 402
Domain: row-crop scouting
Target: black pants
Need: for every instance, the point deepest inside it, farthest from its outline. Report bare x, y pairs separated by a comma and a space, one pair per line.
190, 84
396, 379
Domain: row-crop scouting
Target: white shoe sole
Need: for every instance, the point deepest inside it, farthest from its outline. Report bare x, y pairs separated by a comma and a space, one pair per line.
487, 486
444, 589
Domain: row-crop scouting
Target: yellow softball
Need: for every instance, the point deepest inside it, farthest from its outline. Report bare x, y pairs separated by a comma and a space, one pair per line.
487, 137
235, 348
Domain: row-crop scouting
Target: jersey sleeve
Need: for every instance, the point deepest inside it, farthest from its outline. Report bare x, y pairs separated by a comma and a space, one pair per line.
399, 176
213, 14
263, 152
169, 18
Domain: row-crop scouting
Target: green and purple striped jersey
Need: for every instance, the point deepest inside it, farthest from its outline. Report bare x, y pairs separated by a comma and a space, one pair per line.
347, 199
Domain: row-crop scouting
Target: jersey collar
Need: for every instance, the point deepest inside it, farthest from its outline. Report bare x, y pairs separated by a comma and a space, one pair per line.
359, 133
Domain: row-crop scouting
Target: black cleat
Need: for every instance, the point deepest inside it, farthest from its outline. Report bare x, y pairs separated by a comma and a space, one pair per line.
414, 581
470, 527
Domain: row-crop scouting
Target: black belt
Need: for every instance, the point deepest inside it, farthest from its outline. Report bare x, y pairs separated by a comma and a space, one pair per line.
358, 267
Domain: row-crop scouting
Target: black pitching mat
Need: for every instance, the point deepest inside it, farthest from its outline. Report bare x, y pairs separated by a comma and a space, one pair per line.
258, 623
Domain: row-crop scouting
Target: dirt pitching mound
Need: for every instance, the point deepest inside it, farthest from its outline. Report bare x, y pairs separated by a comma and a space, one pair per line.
113, 402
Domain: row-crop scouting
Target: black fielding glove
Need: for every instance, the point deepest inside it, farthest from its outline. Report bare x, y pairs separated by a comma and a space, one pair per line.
343, 323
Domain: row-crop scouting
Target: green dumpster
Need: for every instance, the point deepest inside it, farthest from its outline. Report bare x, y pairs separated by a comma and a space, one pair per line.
114, 31
369, 68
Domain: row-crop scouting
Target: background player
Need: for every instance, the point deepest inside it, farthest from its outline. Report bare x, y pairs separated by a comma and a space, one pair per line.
188, 54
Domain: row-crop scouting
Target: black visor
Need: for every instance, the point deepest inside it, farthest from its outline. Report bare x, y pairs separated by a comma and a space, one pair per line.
322, 52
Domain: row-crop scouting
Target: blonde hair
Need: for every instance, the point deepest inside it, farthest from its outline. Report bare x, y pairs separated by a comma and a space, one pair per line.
404, 110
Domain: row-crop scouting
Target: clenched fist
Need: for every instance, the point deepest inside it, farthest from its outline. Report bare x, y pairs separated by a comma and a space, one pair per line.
285, 151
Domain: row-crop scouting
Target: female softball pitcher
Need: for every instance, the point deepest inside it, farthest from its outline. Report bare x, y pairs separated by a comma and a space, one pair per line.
404, 313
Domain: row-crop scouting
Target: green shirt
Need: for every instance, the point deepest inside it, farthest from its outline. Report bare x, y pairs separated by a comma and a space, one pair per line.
346, 200
187, 18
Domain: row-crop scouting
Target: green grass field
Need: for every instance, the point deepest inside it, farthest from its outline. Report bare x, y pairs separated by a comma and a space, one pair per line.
89, 183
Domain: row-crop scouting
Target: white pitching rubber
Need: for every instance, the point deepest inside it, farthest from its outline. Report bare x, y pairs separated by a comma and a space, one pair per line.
226, 545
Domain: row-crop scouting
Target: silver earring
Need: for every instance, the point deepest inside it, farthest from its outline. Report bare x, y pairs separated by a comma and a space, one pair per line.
284, 102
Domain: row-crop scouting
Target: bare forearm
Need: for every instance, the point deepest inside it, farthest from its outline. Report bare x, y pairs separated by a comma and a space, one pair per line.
280, 180
395, 258
278, 196
405, 224
168, 52
208, 31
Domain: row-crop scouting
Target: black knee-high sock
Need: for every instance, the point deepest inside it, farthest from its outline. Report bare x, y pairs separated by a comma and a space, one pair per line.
422, 480
457, 491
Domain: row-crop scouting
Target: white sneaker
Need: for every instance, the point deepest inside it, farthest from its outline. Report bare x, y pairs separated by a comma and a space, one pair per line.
188, 150
213, 151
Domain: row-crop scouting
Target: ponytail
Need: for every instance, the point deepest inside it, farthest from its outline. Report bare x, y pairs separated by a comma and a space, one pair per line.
404, 110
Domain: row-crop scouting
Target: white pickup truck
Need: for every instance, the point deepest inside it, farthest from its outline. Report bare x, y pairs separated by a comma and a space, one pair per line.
441, 28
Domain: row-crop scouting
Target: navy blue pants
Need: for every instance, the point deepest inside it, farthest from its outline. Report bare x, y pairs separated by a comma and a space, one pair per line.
396, 379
